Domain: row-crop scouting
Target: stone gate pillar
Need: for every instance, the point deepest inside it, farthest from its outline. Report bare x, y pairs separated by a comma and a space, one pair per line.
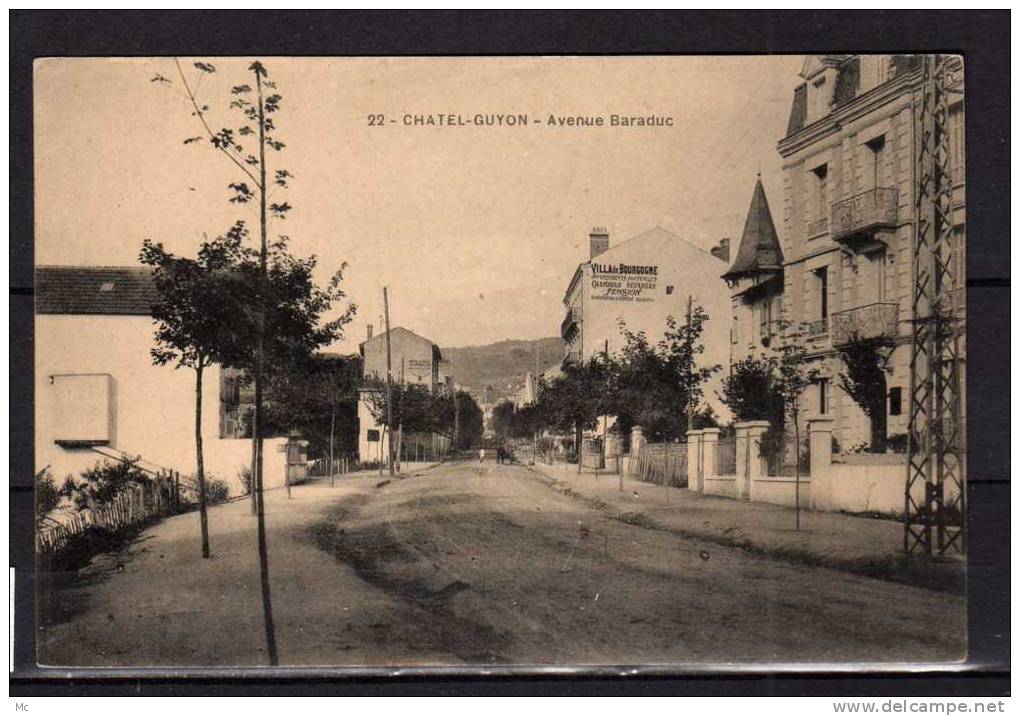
820, 447
749, 462
709, 445
637, 440
695, 475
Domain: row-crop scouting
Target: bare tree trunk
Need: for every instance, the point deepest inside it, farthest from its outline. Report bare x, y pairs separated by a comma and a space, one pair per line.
796, 469
267, 602
400, 445
579, 445
203, 517
332, 421
251, 477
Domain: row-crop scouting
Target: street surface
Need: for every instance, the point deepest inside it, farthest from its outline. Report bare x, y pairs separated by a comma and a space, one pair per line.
477, 564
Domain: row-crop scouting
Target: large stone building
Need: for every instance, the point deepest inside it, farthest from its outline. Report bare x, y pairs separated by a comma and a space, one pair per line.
848, 218
639, 283
413, 359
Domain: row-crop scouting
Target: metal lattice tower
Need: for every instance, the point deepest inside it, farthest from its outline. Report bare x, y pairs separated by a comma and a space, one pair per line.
934, 515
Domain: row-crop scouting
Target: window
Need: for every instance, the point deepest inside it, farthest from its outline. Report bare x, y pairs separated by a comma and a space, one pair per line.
873, 171
821, 195
957, 144
818, 100
823, 396
669, 290
895, 401
822, 280
373, 436
237, 401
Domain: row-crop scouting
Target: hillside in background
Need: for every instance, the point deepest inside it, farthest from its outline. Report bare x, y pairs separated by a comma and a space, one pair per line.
498, 364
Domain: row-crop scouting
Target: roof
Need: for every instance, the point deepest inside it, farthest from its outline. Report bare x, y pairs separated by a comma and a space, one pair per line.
847, 84
759, 245
436, 352
91, 290
658, 242
798, 111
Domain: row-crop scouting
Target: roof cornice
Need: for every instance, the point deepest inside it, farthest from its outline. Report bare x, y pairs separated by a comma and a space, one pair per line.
837, 119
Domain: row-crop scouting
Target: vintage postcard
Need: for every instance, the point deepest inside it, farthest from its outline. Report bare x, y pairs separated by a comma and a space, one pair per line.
482, 362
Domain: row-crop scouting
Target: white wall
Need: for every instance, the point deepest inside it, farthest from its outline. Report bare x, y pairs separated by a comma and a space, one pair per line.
681, 266
724, 486
153, 407
781, 490
875, 486
369, 451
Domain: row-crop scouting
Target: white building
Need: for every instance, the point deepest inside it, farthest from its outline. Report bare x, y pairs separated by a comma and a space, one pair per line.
99, 397
641, 282
413, 359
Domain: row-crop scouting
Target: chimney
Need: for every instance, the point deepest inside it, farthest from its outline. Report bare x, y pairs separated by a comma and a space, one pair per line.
599, 239
722, 251
369, 329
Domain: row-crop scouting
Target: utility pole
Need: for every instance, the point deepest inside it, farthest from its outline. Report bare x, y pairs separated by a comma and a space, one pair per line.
389, 381
690, 348
605, 418
400, 422
934, 498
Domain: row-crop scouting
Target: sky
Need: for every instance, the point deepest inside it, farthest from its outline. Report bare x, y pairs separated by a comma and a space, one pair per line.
475, 230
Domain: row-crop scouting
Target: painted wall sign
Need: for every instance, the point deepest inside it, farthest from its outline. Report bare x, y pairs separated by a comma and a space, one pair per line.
624, 282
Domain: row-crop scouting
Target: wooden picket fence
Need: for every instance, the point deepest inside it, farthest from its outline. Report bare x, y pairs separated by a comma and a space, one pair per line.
161, 496
661, 463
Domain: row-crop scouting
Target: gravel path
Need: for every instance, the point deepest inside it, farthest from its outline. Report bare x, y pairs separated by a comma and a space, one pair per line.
479, 564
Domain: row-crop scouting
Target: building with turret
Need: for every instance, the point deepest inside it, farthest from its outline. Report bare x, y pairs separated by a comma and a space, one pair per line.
756, 282
849, 216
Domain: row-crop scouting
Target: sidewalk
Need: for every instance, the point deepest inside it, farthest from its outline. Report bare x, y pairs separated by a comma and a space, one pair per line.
861, 545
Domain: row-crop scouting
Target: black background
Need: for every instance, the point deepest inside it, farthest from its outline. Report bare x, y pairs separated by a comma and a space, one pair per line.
981, 36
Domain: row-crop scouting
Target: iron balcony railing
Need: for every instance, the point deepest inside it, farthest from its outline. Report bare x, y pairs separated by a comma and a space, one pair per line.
874, 320
818, 328
864, 213
569, 325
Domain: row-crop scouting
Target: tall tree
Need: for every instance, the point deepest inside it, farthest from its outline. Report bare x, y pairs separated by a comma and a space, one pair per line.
245, 141
863, 378
318, 396
573, 401
194, 323
657, 386
793, 376
752, 392
503, 419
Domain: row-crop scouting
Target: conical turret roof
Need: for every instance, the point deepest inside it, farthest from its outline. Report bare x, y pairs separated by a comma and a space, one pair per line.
759, 245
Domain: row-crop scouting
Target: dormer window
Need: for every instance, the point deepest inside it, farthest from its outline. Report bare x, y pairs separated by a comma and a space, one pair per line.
818, 99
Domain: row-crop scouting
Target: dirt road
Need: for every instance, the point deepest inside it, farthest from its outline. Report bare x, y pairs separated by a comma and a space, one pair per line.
481, 564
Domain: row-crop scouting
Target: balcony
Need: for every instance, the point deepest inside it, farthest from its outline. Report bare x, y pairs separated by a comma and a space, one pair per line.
570, 323
875, 320
817, 328
858, 222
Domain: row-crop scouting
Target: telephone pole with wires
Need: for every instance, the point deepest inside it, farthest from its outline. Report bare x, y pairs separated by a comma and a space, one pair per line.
935, 494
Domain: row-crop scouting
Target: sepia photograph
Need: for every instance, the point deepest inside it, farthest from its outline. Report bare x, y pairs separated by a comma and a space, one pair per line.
500, 362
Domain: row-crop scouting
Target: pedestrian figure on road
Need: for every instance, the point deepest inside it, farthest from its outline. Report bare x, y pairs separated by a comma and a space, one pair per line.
481, 454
